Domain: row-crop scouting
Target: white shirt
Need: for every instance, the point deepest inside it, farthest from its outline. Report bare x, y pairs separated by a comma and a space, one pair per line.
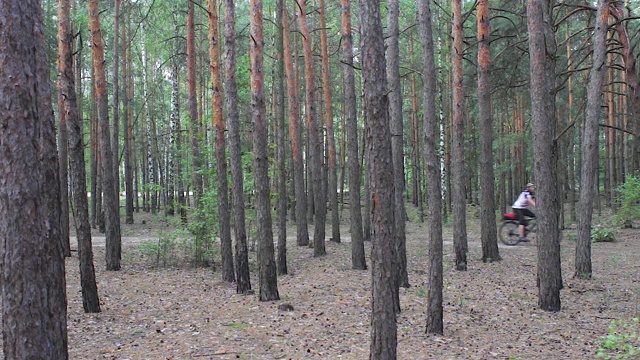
522, 201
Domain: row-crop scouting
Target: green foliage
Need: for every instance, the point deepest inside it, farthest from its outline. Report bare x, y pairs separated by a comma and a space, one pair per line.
422, 293
622, 342
237, 325
175, 248
630, 201
601, 233
203, 226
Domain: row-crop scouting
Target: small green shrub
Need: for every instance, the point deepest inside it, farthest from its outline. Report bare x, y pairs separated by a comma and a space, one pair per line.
629, 196
622, 342
601, 233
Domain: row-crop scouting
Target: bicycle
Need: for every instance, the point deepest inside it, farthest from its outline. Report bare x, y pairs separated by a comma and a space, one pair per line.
508, 231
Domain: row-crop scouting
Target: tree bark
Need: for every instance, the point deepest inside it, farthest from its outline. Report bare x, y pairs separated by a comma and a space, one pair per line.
295, 135
116, 97
358, 260
196, 159
589, 148
34, 303
458, 167
281, 145
332, 183
633, 81
397, 142
113, 251
243, 280
69, 108
266, 262
432, 164
226, 252
63, 158
488, 230
384, 341
542, 50
315, 147
127, 124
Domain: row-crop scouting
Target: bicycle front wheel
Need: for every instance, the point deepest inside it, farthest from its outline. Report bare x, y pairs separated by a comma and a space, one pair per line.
508, 233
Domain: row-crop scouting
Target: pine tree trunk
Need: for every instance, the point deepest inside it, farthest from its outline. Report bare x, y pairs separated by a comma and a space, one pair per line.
542, 50
266, 262
127, 124
243, 280
315, 148
432, 163
111, 202
397, 143
34, 312
63, 158
295, 135
90, 300
583, 267
633, 81
226, 252
196, 132
384, 341
332, 183
458, 173
488, 228
358, 260
281, 146
115, 143
571, 178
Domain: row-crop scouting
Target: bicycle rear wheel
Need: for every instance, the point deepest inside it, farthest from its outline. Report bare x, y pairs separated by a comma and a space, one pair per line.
508, 233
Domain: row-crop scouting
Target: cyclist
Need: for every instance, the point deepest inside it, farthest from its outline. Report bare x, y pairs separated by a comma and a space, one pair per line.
523, 201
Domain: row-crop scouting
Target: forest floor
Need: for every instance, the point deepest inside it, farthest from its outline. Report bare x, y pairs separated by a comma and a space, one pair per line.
490, 311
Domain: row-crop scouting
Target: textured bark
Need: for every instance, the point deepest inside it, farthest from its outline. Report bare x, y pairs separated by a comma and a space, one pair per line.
432, 165
295, 135
224, 221
243, 281
458, 167
34, 304
196, 153
281, 146
397, 141
145, 159
315, 145
127, 124
90, 300
97, 220
415, 144
115, 78
633, 81
542, 52
174, 173
384, 340
113, 251
332, 183
358, 260
571, 160
589, 148
488, 227
266, 262
63, 158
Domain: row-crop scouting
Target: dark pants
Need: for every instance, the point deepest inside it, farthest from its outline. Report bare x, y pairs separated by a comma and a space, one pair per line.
521, 213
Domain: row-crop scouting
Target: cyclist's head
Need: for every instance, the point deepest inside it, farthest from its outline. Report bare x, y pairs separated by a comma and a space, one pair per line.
531, 187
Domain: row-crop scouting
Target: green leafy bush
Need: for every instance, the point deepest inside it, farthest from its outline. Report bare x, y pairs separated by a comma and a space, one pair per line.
629, 202
601, 233
622, 342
